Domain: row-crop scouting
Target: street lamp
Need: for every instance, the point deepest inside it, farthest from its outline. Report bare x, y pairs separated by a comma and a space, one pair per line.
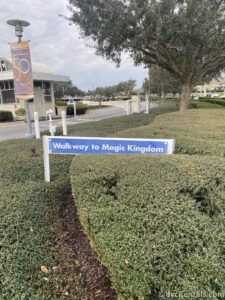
19, 24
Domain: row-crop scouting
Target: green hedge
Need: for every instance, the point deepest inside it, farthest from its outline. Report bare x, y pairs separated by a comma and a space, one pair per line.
196, 131
30, 222
20, 111
5, 116
219, 101
156, 223
81, 109
61, 103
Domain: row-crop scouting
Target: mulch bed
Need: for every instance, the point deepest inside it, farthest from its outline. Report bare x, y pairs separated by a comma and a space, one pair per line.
93, 273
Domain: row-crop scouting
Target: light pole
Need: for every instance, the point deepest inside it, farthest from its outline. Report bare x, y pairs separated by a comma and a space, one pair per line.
19, 24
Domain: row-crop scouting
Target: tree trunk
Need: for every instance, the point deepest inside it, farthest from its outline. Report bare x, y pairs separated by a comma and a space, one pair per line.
185, 96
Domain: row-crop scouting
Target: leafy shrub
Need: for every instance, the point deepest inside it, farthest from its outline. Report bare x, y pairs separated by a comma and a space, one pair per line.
197, 132
81, 109
30, 221
156, 223
20, 111
70, 110
61, 103
5, 116
219, 101
193, 106
123, 98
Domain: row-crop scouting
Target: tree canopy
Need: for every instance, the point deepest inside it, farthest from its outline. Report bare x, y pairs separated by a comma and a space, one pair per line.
67, 89
161, 82
114, 90
185, 37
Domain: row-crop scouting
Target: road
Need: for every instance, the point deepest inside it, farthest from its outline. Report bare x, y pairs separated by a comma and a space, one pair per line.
15, 130
18, 129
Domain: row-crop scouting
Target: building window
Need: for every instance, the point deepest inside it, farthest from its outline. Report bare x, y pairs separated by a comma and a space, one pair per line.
48, 98
6, 85
38, 84
1, 85
11, 85
46, 85
8, 97
47, 91
3, 67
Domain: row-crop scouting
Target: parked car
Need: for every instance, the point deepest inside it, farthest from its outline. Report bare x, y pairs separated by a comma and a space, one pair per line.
215, 96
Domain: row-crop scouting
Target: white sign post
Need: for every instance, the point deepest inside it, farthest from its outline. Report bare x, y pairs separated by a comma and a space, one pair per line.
64, 125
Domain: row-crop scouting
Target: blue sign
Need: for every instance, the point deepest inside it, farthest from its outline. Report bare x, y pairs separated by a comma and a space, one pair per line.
71, 101
77, 145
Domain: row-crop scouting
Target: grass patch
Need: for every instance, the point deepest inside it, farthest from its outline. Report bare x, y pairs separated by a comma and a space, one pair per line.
110, 127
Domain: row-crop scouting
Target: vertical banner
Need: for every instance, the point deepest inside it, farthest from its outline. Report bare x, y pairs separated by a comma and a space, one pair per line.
22, 71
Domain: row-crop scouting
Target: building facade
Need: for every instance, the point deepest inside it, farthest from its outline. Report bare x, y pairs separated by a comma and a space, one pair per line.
216, 85
43, 88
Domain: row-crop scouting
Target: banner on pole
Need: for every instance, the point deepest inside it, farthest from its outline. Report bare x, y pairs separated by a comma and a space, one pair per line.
22, 71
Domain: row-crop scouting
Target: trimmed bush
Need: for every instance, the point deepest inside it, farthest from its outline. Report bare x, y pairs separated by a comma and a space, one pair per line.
20, 111
81, 109
5, 116
196, 131
219, 101
156, 223
61, 103
30, 223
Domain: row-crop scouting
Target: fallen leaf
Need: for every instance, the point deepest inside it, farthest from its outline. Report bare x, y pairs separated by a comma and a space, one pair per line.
98, 292
31, 229
65, 293
55, 268
126, 261
44, 269
46, 279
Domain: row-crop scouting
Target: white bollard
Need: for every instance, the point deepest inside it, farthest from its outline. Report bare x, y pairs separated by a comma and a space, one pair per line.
64, 126
147, 105
139, 104
75, 108
37, 125
128, 107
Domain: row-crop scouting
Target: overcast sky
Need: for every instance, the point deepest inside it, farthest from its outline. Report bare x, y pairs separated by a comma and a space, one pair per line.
57, 44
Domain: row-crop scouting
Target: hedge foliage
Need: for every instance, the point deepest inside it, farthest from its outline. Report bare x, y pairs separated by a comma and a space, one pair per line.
196, 131
61, 103
20, 111
156, 223
80, 109
30, 222
5, 115
219, 101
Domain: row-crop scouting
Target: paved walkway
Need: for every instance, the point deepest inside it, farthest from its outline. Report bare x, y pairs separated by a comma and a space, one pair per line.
18, 129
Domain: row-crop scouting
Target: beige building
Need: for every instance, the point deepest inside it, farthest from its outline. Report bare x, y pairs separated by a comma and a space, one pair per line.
43, 88
216, 85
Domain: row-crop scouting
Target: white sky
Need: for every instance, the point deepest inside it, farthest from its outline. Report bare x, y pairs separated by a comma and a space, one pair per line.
57, 44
